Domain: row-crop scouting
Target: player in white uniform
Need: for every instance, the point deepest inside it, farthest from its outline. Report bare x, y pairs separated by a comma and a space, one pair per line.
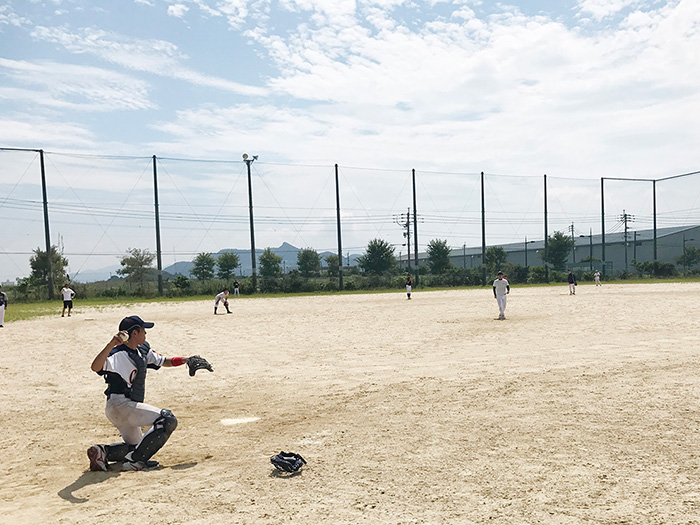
501, 288
222, 297
68, 296
596, 278
123, 363
3, 305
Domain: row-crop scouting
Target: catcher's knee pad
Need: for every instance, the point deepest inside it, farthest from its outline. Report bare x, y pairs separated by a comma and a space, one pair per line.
156, 437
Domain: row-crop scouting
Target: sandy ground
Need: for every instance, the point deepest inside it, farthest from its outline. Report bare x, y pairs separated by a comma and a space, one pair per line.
577, 409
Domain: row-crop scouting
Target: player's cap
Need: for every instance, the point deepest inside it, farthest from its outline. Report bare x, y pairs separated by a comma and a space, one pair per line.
499, 273
133, 321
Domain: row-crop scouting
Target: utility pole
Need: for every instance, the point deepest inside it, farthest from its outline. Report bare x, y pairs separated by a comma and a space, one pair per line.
408, 236
404, 220
626, 218
573, 243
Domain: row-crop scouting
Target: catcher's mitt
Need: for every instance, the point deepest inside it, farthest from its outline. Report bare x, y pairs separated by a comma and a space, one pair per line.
288, 461
196, 362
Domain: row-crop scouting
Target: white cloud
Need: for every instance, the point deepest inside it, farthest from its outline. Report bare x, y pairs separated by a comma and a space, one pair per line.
73, 87
9, 17
601, 9
473, 88
178, 10
153, 56
35, 130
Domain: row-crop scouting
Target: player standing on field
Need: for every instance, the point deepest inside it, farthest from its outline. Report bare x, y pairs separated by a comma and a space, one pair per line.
3, 306
501, 288
596, 278
572, 283
68, 296
236, 292
123, 363
409, 285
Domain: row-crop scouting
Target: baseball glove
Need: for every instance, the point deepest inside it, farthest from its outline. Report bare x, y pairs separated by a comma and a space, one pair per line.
196, 362
288, 461
226, 304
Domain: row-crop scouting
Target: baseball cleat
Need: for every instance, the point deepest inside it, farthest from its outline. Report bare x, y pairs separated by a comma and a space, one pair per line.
128, 466
98, 458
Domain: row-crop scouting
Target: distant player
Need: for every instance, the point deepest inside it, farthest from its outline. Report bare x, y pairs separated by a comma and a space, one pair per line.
68, 296
236, 293
409, 285
123, 364
596, 278
572, 283
501, 288
3, 306
222, 297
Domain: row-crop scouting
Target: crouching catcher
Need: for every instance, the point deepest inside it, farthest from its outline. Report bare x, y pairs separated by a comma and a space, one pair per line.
123, 363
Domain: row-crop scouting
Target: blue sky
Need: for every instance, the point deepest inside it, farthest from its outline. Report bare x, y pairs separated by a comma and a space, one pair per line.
574, 88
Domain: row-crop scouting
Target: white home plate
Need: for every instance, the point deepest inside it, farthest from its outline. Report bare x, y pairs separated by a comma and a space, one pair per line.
238, 421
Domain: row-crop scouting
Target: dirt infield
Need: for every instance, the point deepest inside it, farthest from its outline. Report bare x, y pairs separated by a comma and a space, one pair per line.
576, 409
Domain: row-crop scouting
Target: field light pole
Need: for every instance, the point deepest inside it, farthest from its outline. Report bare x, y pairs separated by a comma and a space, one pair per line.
590, 248
159, 257
46, 224
526, 243
248, 162
340, 242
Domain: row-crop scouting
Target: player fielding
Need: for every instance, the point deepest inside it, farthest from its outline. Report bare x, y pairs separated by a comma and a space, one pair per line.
506, 425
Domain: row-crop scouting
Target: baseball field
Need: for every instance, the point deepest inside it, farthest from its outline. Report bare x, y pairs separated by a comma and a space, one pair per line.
576, 409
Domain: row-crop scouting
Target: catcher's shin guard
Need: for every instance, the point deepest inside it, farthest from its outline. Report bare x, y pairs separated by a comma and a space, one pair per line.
118, 451
156, 436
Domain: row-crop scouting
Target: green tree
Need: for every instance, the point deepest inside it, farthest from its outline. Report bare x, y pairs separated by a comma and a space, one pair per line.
39, 264
559, 247
203, 266
378, 258
332, 262
495, 257
226, 264
309, 263
690, 257
181, 282
136, 267
439, 256
270, 264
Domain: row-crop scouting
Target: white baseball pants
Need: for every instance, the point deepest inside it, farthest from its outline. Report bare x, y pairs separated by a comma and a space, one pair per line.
501, 300
129, 416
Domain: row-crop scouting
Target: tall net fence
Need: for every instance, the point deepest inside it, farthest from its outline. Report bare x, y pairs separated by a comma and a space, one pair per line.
100, 206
